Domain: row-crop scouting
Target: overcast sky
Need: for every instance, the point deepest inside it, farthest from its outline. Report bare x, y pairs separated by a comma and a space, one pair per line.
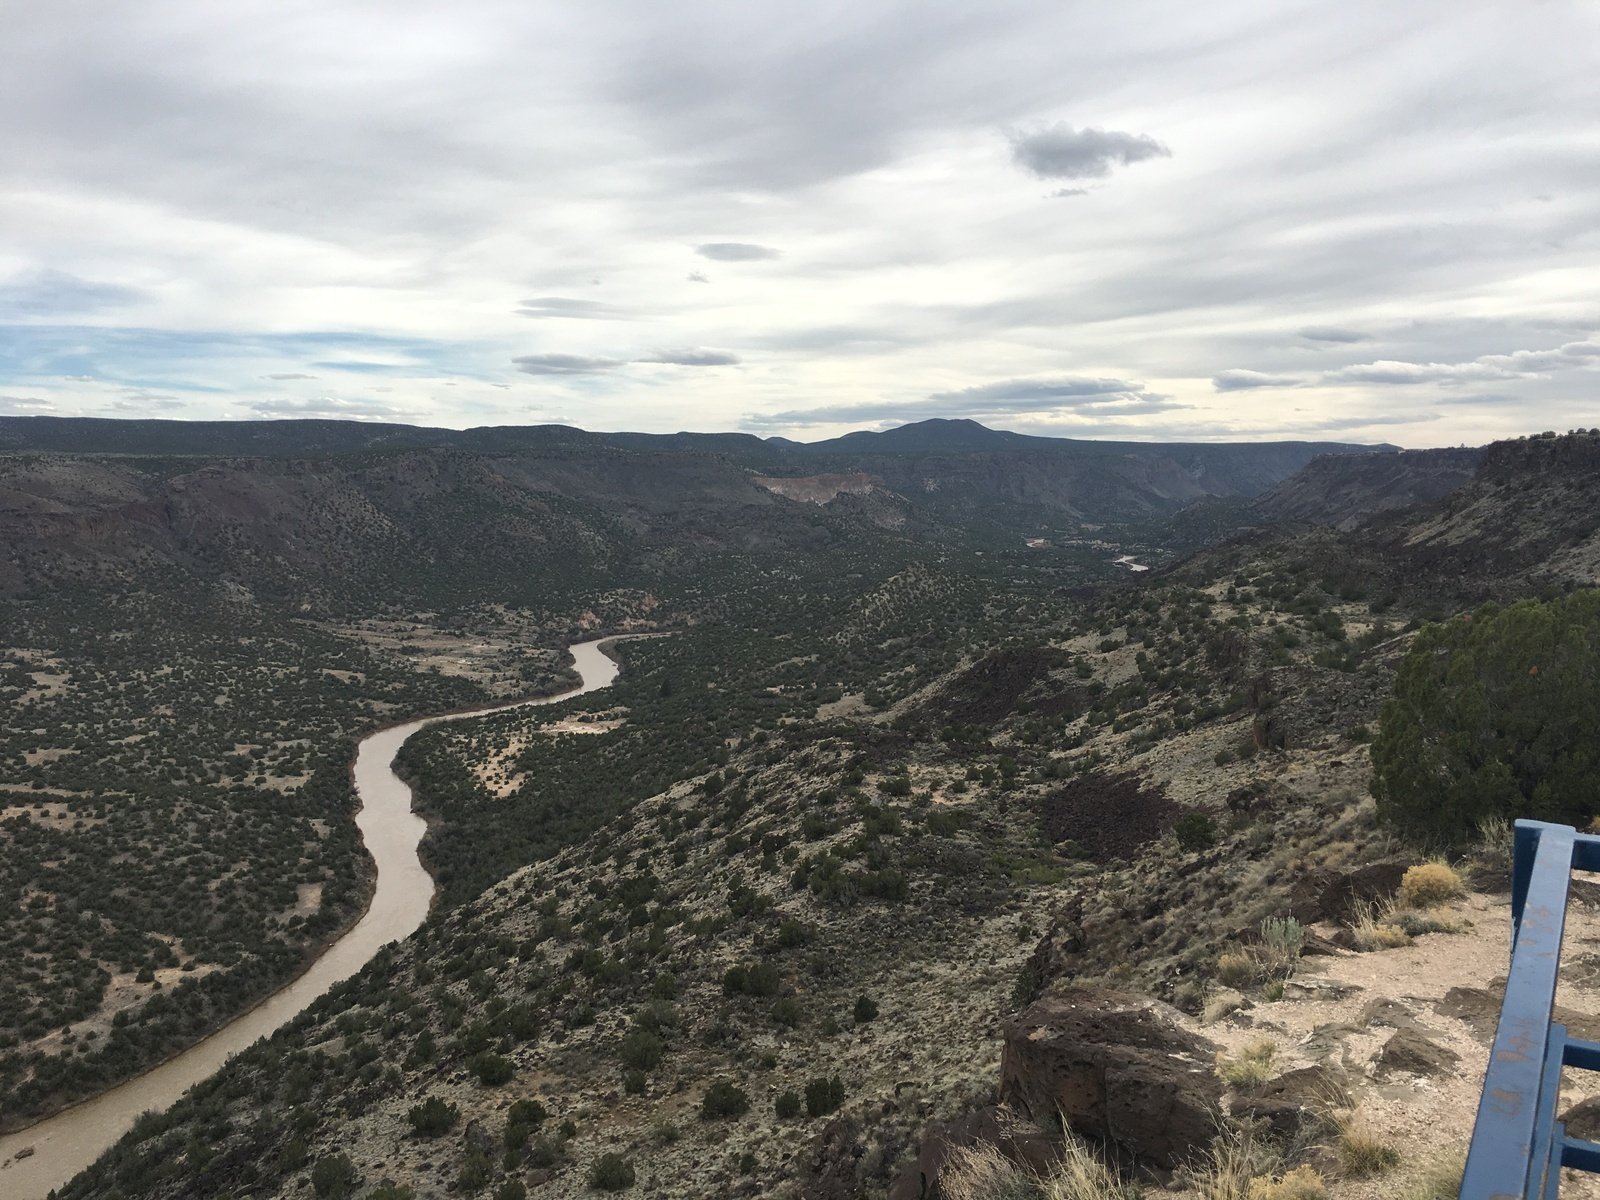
1364, 221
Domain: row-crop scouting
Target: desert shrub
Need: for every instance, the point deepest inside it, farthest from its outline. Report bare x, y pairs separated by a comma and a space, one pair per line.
633, 1082
1377, 927
334, 1177
433, 1117
528, 1113
724, 1098
1430, 884
787, 1105
786, 1011
491, 1070
824, 1095
1302, 1183
1282, 938
1250, 1067
1238, 969
476, 1170
511, 1189
390, 1190
866, 1009
642, 1050
1493, 716
1195, 831
611, 1173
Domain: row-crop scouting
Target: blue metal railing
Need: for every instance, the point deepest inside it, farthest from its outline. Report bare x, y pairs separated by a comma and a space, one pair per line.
1518, 1145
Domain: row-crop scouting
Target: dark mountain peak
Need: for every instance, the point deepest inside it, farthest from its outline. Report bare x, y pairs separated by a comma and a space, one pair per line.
954, 434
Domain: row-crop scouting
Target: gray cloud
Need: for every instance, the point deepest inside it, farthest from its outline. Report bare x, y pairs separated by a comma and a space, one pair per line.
1098, 398
1065, 392
692, 358
1063, 193
288, 375
564, 307
51, 293
697, 277
1333, 333
564, 364
735, 251
1062, 152
1239, 380
23, 406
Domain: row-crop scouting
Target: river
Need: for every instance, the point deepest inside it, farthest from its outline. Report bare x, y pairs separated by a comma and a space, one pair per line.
68, 1142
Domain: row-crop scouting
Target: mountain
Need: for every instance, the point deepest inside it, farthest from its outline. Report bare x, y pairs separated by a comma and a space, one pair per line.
957, 479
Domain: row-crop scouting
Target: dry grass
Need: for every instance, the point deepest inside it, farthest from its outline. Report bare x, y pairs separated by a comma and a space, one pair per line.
1439, 1178
982, 1172
1302, 1183
1238, 969
1235, 1163
1361, 1151
1250, 1067
1430, 884
1373, 927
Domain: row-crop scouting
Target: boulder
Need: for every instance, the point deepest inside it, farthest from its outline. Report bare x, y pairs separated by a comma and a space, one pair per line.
1292, 1103
1583, 1119
1410, 1052
1324, 895
1115, 1068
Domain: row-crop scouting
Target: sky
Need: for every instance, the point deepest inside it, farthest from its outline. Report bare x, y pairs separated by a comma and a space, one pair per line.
1361, 221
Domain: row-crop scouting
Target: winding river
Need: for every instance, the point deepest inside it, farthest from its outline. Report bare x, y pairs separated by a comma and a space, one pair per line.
68, 1142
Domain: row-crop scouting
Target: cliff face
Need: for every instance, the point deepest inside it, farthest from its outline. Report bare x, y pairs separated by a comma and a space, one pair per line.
1347, 490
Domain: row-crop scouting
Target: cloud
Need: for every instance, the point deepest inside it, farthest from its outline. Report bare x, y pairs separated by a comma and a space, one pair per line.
1101, 398
735, 251
1056, 393
1063, 193
1239, 380
1062, 152
1333, 333
564, 307
564, 364
331, 407
697, 277
23, 406
692, 358
59, 294
288, 375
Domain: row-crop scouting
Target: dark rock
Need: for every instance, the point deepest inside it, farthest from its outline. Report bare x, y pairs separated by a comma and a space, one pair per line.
1383, 1011
1323, 895
830, 1171
1291, 1104
1116, 1069
1477, 1007
1411, 1052
1583, 1119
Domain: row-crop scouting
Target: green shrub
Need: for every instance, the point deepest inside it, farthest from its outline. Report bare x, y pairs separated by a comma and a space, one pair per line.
724, 1098
787, 1105
491, 1069
334, 1177
866, 1009
824, 1095
433, 1117
1493, 715
611, 1173
633, 1082
642, 1050
1195, 831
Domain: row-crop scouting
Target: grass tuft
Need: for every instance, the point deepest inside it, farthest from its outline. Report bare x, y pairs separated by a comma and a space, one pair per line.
1252, 1065
1430, 884
1362, 1152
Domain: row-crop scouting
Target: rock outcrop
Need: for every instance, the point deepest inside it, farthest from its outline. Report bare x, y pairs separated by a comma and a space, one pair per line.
1114, 1068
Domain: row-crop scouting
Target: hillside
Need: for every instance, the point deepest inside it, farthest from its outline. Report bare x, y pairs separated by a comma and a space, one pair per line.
1348, 490
884, 788
956, 473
